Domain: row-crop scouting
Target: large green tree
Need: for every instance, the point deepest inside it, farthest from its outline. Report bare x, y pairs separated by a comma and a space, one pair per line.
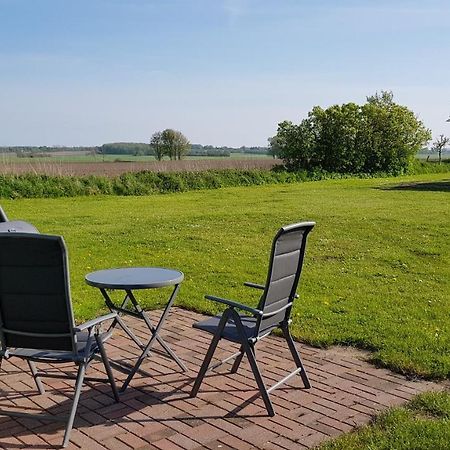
157, 145
171, 143
377, 136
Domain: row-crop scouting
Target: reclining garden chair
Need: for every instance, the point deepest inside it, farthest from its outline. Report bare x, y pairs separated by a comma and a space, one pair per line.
36, 318
20, 226
273, 311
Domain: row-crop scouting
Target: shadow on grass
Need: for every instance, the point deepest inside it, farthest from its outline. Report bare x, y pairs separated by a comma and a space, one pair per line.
442, 186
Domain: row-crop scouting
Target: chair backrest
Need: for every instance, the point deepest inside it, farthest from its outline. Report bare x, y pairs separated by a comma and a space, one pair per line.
35, 305
285, 266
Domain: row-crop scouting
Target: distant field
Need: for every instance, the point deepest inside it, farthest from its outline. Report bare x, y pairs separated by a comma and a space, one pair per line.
74, 156
433, 156
114, 165
377, 272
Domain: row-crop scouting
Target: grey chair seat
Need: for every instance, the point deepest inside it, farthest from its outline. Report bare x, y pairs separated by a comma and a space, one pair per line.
230, 331
55, 356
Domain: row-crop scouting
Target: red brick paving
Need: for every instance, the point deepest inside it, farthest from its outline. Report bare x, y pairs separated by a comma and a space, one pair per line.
156, 411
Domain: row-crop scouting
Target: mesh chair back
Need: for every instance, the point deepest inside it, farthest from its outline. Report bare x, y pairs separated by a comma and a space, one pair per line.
285, 266
35, 307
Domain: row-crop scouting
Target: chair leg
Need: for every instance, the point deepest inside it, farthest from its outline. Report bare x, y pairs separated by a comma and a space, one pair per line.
105, 360
250, 351
209, 354
296, 356
76, 398
237, 361
37, 379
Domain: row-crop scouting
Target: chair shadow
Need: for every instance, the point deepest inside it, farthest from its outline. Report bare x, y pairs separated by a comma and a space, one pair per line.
440, 186
147, 395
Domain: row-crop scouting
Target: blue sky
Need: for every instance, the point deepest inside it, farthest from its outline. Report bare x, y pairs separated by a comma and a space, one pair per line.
224, 72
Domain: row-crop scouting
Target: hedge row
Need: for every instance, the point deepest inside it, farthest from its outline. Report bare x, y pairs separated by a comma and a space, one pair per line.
147, 183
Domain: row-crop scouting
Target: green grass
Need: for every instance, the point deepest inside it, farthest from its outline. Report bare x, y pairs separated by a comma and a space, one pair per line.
377, 265
424, 424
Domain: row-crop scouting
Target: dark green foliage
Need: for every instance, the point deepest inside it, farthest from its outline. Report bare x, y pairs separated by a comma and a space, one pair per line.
171, 143
126, 148
379, 136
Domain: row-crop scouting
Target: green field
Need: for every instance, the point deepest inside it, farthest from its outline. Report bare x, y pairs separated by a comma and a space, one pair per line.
377, 266
6, 158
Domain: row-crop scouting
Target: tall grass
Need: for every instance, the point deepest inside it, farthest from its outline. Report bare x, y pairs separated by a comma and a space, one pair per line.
36, 185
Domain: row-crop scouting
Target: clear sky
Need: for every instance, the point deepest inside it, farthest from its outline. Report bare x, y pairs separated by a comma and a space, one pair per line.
224, 72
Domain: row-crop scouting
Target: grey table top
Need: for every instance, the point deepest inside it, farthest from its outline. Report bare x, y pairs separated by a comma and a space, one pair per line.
17, 226
134, 278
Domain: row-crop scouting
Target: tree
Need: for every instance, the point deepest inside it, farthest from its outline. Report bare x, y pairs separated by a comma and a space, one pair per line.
176, 144
157, 145
394, 134
377, 136
439, 144
273, 147
171, 143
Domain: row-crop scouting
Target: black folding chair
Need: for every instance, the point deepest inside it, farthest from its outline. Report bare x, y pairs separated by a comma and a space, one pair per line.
36, 318
273, 311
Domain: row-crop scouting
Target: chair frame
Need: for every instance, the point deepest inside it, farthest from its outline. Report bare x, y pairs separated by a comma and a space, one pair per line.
94, 344
247, 344
3, 216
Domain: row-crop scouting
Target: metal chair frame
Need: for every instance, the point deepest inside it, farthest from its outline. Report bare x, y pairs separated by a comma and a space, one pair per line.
262, 312
81, 357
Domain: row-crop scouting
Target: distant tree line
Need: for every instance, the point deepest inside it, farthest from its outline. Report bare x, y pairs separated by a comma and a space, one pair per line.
379, 136
44, 149
132, 149
125, 148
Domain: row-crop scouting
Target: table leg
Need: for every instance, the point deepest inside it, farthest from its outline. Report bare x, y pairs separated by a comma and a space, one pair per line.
155, 336
118, 320
153, 329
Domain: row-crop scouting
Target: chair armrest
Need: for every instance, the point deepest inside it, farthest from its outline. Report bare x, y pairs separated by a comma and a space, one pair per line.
94, 322
234, 304
254, 285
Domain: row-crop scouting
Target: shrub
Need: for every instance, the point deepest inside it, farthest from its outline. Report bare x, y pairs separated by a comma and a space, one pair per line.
379, 136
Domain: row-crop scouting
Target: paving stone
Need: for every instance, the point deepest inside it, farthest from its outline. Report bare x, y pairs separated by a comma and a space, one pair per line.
157, 412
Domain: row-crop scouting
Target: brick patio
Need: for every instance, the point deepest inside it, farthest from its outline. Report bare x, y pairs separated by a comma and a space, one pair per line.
156, 411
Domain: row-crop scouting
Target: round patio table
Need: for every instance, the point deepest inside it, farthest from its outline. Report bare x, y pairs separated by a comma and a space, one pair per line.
130, 279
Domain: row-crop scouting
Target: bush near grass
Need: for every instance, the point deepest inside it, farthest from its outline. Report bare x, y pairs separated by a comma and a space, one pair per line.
423, 424
147, 183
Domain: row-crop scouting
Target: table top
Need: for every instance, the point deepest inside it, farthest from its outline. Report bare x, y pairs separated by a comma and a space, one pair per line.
17, 226
134, 278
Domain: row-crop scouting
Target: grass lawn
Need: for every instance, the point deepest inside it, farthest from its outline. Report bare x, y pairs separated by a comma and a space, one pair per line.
377, 265
424, 424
